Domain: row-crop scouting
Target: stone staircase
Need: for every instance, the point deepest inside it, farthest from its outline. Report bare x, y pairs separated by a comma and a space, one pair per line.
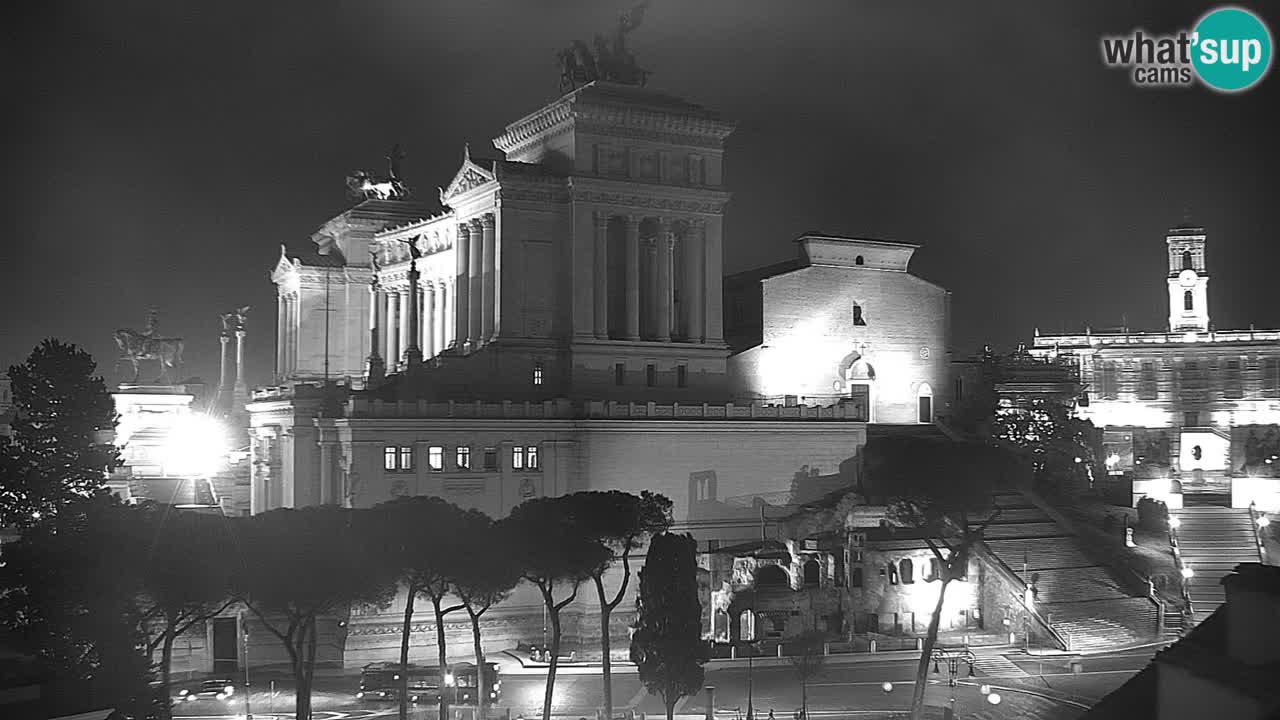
1080, 598
1213, 540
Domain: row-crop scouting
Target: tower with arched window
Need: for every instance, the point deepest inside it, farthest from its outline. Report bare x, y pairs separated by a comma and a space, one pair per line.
1188, 280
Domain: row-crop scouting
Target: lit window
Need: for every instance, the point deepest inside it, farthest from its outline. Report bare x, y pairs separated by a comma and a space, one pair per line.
537, 373
397, 458
517, 458
491, 458
435, 458
531, 457
682, 376
650, 375
907, 570
857, 315
463, 458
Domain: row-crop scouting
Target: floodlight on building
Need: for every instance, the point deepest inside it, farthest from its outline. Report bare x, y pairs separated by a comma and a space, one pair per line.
196, 446
1174, 523
1187, 572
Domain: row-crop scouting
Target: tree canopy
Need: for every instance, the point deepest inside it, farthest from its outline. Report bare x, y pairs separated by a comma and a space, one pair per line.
667, 646
59, 451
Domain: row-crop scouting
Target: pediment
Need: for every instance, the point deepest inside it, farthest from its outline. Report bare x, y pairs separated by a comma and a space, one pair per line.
284, 267
469, 177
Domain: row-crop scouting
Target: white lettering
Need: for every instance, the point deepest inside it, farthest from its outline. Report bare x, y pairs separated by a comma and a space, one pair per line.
1252, 54
1209, 51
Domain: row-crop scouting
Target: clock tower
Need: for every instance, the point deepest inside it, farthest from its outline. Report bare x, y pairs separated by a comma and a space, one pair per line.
1188, 280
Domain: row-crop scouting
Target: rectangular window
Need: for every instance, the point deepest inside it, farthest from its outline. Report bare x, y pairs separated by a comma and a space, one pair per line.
517, 457
1271, 374
1148, 388
397, 458
1191, 419
531, 458
463, 458
682, 376
435, 458
650, 375
619, 374
537, 373
1233, 382
1193, 376
1109, 390
491, 458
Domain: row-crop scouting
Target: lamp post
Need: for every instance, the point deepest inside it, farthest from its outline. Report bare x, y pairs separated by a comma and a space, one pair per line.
748, 636
952, 658
244, 626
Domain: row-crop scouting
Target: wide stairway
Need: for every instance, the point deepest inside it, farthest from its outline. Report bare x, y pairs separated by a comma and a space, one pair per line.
1080, 598
1213, 540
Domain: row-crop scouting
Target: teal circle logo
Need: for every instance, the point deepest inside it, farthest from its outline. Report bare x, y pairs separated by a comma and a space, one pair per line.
1231, 49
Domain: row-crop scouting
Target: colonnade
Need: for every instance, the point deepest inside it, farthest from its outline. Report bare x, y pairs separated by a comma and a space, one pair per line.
662, 278
391, 313
287, 323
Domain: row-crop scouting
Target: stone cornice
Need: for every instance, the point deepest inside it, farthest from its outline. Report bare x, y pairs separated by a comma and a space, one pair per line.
534, 125
644, 196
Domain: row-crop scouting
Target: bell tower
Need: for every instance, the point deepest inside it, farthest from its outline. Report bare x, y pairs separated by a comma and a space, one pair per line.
1188, 280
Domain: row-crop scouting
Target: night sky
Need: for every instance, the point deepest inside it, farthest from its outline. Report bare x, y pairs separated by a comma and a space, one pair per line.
163, 150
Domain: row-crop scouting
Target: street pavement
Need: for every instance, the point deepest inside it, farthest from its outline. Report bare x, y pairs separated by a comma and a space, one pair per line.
1035, 688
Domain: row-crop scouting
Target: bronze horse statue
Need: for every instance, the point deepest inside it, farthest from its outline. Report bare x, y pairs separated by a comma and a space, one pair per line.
136, 347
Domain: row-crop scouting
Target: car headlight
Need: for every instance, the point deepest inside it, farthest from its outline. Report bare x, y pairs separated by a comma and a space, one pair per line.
413, 698
183, 693
448, 678
360, 695
190, 697
493, 693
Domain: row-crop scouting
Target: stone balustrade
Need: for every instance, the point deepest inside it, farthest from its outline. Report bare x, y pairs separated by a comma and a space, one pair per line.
564, 409
1043, 342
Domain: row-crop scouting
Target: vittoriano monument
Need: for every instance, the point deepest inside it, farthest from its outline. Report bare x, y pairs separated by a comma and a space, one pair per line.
604, 60
136, 346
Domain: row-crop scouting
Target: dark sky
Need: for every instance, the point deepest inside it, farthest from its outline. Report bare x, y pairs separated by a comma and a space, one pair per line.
163, 150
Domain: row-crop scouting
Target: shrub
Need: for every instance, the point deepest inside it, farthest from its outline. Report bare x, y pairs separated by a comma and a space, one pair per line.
1153, 514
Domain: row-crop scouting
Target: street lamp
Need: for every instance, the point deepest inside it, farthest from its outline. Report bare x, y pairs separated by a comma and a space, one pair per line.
952, 658
749, 640
244, 625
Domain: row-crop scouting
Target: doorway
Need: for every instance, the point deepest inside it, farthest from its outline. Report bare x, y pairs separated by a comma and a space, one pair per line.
226, 654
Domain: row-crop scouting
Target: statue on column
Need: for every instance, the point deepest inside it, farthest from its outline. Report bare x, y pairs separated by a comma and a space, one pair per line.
136, 346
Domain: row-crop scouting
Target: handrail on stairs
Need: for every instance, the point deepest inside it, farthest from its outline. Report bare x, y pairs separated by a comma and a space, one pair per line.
1254, 516
1008, 573
1182, 578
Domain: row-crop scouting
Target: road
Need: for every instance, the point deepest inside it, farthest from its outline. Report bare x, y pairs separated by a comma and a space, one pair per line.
1044, 689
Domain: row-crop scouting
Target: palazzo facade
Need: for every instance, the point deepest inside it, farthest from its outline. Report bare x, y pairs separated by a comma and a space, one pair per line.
1189, 409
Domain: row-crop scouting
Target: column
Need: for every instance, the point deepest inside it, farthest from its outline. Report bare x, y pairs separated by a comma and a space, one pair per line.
713, 318
633, 277
489, 266
693, 281
388, 327
601, 324
462, 286
666, 245
404, 321
393, 329
413, 318
649, 328
327, 494
475, 283
444, 324
223, 338
281, 324
376, 368
291, 335
241, 392
429, 345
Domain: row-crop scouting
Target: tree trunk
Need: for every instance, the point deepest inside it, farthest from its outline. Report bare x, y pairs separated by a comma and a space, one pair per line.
553, 613
804, 699
301, 678
930, 639
442, 655
606, 610
671, 707
481, 697
404, 653
166, 670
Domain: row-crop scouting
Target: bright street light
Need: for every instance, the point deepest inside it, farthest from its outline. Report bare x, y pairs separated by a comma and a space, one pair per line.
1263, 521
1187, 572
1175, 523
196, 446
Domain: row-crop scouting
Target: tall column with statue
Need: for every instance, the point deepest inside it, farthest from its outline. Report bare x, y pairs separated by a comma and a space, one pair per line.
240, 396
412, 323
376, 368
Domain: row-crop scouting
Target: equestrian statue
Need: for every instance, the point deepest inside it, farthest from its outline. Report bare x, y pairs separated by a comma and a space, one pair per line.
136, 346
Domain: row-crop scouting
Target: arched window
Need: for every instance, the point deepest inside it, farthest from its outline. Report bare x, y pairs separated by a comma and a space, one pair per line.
924, 403
1186, 260
907, 570
747, 626
812, 573
1187, 302
892, 572
855, 578
858, 260
935, 570
771, 576
857, 315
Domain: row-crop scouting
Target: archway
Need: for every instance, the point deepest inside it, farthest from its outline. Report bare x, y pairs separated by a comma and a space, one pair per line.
812, 574
772, 576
